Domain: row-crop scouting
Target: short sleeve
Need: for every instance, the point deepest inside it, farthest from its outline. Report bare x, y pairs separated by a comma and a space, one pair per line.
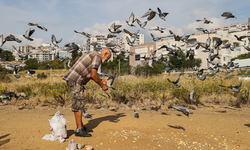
96, 61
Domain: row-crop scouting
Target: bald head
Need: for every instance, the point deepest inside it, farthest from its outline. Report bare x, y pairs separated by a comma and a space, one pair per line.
105, 54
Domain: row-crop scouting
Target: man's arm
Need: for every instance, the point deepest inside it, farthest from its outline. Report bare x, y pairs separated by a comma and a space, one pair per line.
95, 77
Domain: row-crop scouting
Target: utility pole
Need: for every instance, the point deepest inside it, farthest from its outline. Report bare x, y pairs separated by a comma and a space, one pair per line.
119, 66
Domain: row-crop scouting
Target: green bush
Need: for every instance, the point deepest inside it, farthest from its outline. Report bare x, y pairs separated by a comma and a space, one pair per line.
41, 76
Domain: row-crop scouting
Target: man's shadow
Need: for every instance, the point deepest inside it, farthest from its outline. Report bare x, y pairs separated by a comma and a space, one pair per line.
95, 122
4, 141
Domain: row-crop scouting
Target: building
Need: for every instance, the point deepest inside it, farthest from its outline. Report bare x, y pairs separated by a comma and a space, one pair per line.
227, 36
124, 44
100, 39
26, 48
42, 56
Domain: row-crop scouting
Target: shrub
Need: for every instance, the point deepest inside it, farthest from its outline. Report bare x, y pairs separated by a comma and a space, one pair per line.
41, 76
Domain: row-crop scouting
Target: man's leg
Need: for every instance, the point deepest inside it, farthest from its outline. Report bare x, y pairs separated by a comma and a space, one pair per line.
78, 117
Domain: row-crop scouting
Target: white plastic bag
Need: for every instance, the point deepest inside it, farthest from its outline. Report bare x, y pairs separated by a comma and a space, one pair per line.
72, 145
58, 128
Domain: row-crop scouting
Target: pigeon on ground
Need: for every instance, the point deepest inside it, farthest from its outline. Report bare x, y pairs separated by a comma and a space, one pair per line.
110, 81
40, 27
136, 114
191, 96
28, 33
86, 115
200, 76
228, 15
142, 24
162, 15
71, 47
175, 82
16, 70
83, 33
234, 88
30, 72
54, 41
182, 109
132, 19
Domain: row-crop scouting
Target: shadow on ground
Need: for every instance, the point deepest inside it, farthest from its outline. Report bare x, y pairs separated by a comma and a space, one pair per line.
4, 141
111, 118
248, 125
177, 127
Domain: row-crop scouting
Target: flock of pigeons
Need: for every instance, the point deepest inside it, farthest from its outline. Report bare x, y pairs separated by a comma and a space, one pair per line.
115, 48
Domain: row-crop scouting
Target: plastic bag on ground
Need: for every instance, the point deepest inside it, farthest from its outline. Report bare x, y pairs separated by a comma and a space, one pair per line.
58, 128
72, 145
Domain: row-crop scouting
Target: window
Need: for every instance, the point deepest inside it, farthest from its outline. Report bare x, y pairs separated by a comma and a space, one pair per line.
137, 57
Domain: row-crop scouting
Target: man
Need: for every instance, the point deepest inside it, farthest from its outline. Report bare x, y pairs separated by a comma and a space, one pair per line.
81, 72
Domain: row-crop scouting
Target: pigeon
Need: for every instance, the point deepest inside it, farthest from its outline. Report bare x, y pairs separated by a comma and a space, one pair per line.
83, 33
158, 29
218, 43
86, 115
199, 74
135, 35
132, 19
115, 28
150, 13
229, 45
30, 72
141, 24
110, 81
40, 27
205, 21
156, 38
2, 40
71, 47
28, 33
68, 64
100, 73
190, 53
191, 96
241, 37
110, 35
228, 15
54, 41
234, 88
136, 114
246, 47
9, 38
16, 70
182, 109
175, 82
129, 42
162, 15
174, 54
203, 30
227, 68
209, 60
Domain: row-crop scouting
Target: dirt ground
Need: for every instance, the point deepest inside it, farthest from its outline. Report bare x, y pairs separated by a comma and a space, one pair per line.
217, 127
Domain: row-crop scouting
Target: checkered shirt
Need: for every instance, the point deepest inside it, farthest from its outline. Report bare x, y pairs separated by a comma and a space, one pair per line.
80, 72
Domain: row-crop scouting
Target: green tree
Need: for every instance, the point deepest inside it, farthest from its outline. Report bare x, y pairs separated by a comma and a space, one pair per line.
7, 56
26, 57
31, 63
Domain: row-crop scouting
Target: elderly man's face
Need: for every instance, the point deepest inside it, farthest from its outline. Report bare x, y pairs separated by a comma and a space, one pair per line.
106, 58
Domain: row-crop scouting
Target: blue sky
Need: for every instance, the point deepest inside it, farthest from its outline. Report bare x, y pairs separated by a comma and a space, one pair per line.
62, 17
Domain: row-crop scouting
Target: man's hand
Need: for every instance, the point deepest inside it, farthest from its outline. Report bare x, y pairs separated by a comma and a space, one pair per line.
104, 87
95, 77
105, 81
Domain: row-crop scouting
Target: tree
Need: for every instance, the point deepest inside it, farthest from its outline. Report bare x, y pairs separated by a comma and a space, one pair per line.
7, 56
26, 57
31, 63
57, 55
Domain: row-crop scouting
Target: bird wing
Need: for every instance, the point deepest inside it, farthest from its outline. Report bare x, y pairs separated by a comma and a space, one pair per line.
208, 41
177, 80
222, 85
30, 32
126, 31
131, 18
14, 47
128, 40
32, 24
169, 80
32, 72
111, 79
225, 14
191, 94
237, 86
53, 39
159, 10
151, 16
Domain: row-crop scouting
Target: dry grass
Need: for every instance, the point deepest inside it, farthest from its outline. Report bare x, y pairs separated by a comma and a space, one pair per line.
132, 90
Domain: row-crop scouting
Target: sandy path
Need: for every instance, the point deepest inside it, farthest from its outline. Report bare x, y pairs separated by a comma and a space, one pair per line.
206, 128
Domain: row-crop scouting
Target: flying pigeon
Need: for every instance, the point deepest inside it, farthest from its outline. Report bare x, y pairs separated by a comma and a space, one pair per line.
28, 33
40, 27
83, 33
241, 37
175, 82
203, 30
162, 15
191, 96
86, 115
110, 35
68, 64
228, 15
199, 74
16, 70
110, 81
158, 29
142, 24
205, 21
30, 72
182, 109
115, 28
54, 41
71, 47
100, 73
234, 88
150, 13
156, 38
132, 19
136, 114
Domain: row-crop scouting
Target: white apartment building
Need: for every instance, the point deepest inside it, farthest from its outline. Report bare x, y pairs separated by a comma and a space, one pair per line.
100, 39
124, 44
42, 56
